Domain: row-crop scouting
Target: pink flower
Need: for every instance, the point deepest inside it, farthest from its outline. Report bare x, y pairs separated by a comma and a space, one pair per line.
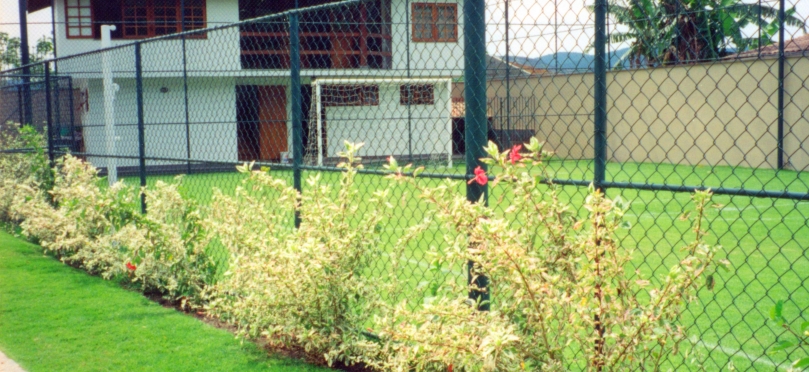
480, 177
130, 266
514, 155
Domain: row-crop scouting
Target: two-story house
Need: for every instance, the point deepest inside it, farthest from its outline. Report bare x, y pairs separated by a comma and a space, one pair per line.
382, 68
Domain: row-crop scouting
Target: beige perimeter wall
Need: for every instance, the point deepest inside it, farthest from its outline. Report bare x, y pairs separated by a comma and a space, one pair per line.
712, 114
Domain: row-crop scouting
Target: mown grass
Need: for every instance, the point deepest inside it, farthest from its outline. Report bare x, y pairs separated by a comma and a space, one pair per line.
56, 318
764, 239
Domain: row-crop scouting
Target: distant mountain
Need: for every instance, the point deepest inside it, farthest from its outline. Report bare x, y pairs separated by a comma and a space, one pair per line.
569, 61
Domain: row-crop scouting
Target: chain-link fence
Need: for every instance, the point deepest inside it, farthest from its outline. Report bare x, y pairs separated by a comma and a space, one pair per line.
648, 100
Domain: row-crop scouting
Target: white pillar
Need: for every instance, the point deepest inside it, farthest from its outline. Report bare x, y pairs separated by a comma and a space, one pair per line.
110, 89
318, 109
449, 123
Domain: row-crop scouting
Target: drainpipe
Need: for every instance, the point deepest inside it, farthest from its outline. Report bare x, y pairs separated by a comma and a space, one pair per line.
110, 88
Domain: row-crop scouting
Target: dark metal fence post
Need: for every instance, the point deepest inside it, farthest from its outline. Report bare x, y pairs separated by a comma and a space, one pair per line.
476, 120
25, 60
20, 109
141, 131
781, 60
600, 149
58, 107
71, 108
508, 81
600, 95
297, 108
48, 107
185, 90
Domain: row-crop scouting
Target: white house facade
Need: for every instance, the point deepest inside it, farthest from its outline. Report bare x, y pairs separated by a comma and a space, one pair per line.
383, 69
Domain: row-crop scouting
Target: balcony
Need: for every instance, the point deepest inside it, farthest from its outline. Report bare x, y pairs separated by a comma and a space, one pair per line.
349, 37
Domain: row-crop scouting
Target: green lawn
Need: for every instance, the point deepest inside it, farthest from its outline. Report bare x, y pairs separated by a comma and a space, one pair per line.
764, 239
56, 318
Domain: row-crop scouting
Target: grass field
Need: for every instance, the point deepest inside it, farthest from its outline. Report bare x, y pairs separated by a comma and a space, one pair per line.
56, 318
764, 239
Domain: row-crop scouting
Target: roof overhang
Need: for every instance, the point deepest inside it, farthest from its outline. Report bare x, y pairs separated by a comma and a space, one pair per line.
34, 5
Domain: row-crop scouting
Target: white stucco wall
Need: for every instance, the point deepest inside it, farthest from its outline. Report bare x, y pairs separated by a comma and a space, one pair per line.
212, 118
384, 128
219, 51
426, 58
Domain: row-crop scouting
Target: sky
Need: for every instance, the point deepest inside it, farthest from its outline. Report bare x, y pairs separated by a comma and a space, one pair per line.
531, 30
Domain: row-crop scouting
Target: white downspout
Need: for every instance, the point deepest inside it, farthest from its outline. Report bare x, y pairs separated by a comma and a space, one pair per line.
110, 89
449, 123
319, 125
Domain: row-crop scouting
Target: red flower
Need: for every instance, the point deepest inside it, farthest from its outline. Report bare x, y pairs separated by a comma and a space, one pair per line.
514, 155
480, 177
130, 266
450, 368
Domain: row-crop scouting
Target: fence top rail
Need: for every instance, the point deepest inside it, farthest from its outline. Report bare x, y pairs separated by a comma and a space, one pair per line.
265, 18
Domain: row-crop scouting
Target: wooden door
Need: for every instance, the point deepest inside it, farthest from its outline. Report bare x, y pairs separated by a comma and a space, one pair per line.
272, 117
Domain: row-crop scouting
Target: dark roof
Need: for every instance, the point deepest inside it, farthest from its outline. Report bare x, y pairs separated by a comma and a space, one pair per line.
496, 69
796, 46
34, 5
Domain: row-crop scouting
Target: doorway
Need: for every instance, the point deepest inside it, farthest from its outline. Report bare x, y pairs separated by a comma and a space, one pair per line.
261, 114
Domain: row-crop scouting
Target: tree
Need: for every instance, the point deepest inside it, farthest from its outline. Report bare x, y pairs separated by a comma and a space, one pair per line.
689, 31
10, 56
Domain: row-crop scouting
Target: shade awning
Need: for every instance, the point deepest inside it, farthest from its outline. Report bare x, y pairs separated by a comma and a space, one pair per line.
34, 5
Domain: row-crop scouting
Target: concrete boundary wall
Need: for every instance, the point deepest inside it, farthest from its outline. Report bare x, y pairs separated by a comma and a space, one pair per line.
713, 114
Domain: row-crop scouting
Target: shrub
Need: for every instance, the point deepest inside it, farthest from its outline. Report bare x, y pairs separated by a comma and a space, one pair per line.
165, 249
561, 296
100, 229
23, 168
83, 213
301, 287
797, 339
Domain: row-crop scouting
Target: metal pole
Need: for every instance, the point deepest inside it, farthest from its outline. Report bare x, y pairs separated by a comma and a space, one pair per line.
781, 60
409, 89
555, 37
319, 108
141, 131
20, 110
600, 114
297, 107
758, 23
53, 37
58, 107
48, 116
110, 89
74, 146
25, 60
476, 120
185, 91
508, 81
600, 138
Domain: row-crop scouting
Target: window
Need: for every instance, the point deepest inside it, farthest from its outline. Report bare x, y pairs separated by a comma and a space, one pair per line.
436, 22
148, 18
350, 95
416, 94
79, 16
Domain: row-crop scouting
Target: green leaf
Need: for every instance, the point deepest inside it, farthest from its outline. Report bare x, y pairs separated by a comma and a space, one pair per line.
801, 363
805, 326
782, 345
776, 311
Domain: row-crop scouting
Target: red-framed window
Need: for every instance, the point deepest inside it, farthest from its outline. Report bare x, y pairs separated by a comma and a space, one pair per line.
79, 17
148, 18
350, 95
422, 94
435, 22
